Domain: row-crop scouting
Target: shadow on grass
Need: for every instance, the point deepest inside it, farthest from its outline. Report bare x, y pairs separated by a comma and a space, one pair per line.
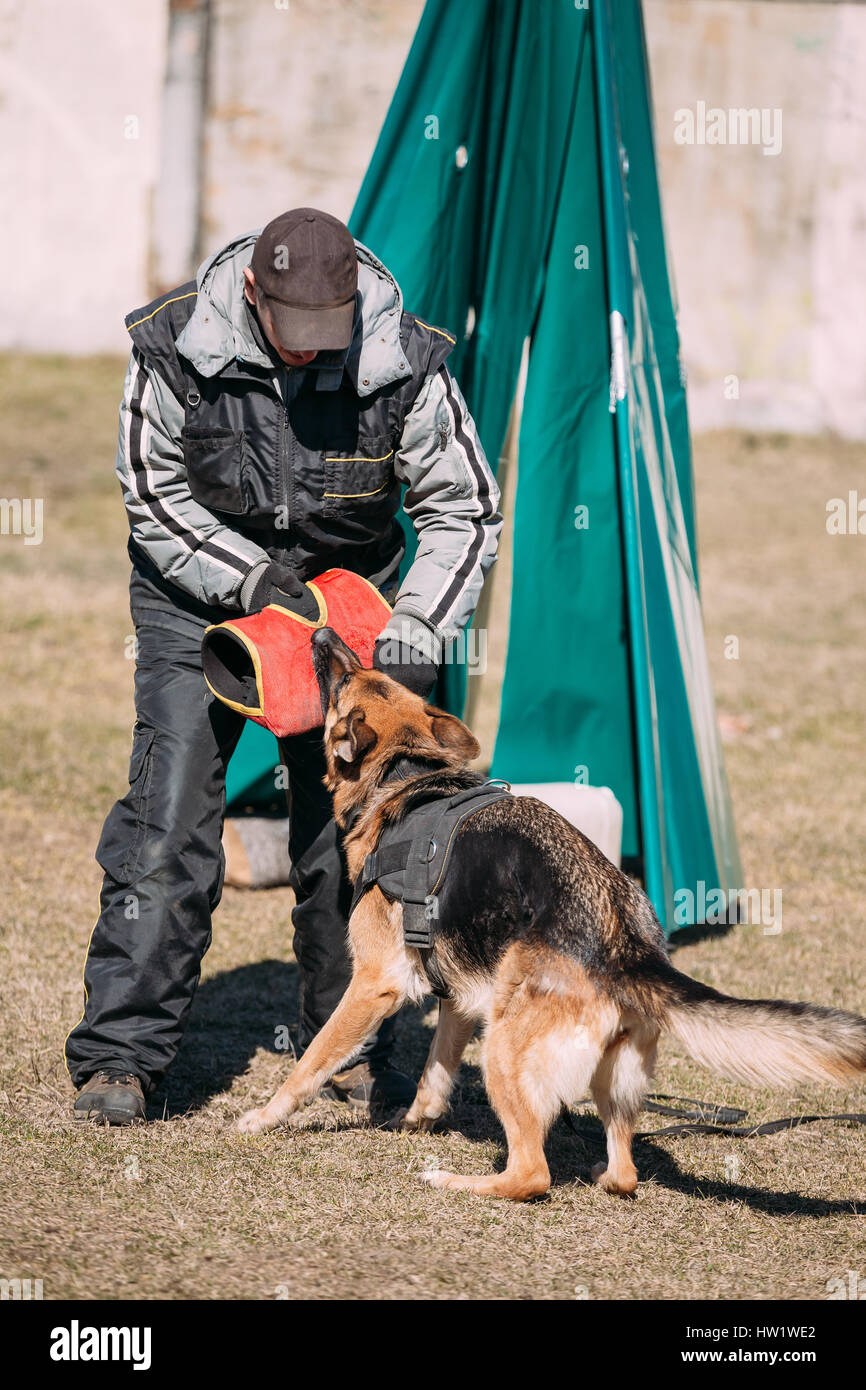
233, 1015
254, 1007
656, 1163
702, 931
574, 1147
238, 1012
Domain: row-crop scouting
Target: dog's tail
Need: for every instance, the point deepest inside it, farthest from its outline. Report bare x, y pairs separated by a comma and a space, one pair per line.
759, 1041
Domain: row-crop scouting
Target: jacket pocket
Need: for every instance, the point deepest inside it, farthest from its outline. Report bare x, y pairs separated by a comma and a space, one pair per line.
214, 461
358, 477
142, 739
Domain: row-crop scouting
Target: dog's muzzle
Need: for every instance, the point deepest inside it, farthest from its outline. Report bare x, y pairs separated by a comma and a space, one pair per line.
262, 665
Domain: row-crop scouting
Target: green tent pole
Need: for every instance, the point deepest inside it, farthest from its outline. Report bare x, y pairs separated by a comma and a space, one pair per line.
620, 298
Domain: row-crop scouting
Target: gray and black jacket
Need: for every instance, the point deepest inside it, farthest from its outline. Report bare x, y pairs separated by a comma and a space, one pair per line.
227, 460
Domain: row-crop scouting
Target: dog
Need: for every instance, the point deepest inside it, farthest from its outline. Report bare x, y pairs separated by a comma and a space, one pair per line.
540, 938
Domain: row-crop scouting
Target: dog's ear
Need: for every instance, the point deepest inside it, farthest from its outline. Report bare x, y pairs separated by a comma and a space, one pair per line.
451, 733
353, 736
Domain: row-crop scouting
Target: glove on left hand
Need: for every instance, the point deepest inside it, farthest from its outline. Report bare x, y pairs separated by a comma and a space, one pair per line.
405, 664
279, 584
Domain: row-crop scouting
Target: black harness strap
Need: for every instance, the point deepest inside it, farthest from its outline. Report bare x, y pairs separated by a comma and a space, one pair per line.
387, 859
412, 867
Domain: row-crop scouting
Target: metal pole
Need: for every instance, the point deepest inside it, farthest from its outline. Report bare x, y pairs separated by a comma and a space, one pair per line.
620, 308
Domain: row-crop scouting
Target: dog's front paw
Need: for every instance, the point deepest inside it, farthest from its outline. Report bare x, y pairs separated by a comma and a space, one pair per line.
436, 1177
254, 1122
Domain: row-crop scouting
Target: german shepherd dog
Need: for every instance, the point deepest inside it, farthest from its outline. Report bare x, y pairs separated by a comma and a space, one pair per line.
556, 952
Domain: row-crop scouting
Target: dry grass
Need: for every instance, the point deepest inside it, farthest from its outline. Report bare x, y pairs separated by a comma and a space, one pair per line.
187, 1209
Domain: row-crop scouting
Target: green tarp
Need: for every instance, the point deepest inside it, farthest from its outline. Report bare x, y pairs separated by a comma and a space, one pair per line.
514, 194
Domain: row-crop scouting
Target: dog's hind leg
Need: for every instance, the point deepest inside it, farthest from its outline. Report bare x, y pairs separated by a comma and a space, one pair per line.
526, 1117
453, 1031
537, 1054
618, 1089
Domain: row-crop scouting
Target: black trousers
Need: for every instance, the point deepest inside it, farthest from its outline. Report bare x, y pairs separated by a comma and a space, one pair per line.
162, 857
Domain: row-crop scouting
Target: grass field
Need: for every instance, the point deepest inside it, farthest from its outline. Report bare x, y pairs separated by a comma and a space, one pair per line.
334, 1209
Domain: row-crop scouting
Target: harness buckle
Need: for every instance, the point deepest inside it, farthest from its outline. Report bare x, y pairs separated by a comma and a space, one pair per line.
417, 925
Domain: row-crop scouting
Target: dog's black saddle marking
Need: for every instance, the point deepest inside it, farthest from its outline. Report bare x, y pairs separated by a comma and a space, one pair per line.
411, 859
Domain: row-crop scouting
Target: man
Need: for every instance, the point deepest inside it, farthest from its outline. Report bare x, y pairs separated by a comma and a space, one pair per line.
271, 413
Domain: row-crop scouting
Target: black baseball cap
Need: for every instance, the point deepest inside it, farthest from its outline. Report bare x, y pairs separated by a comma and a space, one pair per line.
305, 265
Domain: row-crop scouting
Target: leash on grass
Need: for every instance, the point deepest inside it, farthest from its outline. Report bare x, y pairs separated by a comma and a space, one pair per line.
748, 1131
707, 1118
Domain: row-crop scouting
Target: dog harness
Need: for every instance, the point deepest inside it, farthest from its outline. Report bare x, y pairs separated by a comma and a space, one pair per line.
410, 861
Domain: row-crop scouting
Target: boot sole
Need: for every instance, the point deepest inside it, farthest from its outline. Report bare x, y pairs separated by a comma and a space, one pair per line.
108, 1117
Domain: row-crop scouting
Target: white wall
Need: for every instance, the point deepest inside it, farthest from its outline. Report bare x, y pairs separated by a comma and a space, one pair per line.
75, 229
298, 97
769, 252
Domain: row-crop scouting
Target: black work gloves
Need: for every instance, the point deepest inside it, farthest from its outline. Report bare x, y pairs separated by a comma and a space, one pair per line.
279, 584
404, 664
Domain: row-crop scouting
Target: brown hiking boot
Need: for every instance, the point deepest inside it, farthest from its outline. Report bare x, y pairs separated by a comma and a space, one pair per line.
376, 1089
111, 1098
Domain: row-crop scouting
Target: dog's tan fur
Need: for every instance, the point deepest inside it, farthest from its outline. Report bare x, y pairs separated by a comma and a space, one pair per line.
553, 1028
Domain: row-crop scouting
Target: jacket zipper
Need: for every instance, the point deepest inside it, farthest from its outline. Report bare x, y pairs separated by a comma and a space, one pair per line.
284, 465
